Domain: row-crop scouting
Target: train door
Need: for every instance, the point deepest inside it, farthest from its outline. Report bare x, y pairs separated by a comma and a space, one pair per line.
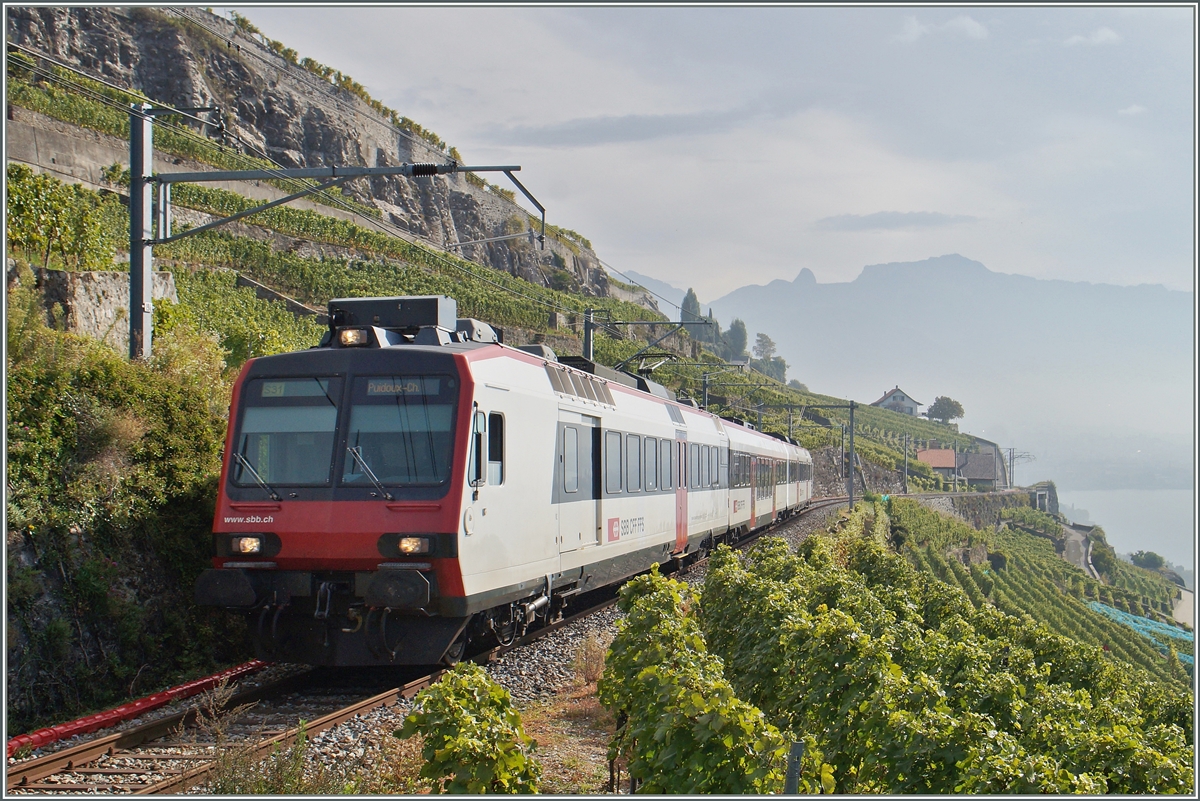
577, 475
681, 485
754, 479
776, 466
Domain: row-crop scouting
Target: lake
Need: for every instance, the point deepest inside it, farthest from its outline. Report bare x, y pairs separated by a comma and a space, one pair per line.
1162, 521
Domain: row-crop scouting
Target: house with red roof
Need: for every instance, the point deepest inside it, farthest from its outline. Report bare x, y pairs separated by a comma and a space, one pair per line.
984, 470
941, 460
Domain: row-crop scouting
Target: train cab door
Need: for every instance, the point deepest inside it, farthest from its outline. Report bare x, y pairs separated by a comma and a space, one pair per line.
576, 479
681, 485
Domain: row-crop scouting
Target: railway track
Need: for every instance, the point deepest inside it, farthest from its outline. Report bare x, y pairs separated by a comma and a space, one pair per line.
179, 751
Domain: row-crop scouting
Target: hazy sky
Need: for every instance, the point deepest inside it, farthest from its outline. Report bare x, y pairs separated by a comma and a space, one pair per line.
716, 147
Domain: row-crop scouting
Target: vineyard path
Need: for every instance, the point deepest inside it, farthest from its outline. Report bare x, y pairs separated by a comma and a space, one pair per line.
1077, 549
1184, 611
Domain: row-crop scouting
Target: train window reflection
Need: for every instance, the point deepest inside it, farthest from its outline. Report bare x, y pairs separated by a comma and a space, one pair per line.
666, 446
570, 460
404, 434
612, 461
633, 464
651, 463
495, 449
287, 432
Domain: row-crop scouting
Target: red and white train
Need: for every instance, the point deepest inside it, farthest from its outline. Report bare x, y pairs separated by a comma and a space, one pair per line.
412, 487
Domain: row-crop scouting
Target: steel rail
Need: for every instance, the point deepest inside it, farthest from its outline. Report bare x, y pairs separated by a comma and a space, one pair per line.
67, 759
74, 759
264, 747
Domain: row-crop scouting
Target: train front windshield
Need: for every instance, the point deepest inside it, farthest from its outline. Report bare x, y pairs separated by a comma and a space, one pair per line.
288, 431
401, 429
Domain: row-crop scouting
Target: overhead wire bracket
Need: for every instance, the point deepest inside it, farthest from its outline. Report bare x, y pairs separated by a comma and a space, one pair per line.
533, 200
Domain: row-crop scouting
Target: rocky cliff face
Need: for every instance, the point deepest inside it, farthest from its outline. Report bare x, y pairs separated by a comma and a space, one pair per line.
190, 58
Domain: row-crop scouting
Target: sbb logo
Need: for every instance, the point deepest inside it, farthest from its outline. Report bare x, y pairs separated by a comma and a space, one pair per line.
614, 529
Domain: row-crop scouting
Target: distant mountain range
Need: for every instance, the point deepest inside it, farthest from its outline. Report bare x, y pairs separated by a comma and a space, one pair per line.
1094, 380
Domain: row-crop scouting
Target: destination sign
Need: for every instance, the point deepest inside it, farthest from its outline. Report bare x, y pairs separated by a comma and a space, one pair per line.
295, 388
403, 385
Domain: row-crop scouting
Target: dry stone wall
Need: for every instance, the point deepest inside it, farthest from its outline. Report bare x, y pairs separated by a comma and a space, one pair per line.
94, 304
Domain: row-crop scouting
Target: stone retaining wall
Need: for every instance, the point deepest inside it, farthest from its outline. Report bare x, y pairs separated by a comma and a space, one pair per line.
95, 304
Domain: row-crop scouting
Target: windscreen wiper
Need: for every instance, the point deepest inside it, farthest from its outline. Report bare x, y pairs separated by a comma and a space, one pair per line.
356, 453
245, 463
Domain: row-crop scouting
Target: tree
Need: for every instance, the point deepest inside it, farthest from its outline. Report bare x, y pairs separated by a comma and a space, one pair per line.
795, 384
775, 367
945, 409
712, 331
690, 311
735, 341
1147, 559
764, 347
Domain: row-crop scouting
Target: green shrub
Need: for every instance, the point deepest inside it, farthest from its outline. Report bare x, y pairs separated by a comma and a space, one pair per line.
473, 739
680, 726
110, 476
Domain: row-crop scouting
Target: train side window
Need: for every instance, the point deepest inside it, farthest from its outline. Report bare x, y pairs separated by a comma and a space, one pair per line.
633, 463
665, 448
478, 428
570, 459
495, 449
714, 474
651, 464
680, 457
694, 466
705, 475
612, 462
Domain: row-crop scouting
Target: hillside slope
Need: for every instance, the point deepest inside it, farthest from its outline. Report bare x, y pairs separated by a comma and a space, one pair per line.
275, 109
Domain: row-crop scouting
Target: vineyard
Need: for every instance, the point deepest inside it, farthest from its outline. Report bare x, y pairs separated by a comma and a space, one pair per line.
1160, 633
1025, 576
893, 680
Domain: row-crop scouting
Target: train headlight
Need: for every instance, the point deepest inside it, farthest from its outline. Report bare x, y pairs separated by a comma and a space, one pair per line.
246, 545
413, 545
353, 337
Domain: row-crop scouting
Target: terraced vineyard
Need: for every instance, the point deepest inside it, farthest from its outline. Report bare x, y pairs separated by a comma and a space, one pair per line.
1025, 576
893, 681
